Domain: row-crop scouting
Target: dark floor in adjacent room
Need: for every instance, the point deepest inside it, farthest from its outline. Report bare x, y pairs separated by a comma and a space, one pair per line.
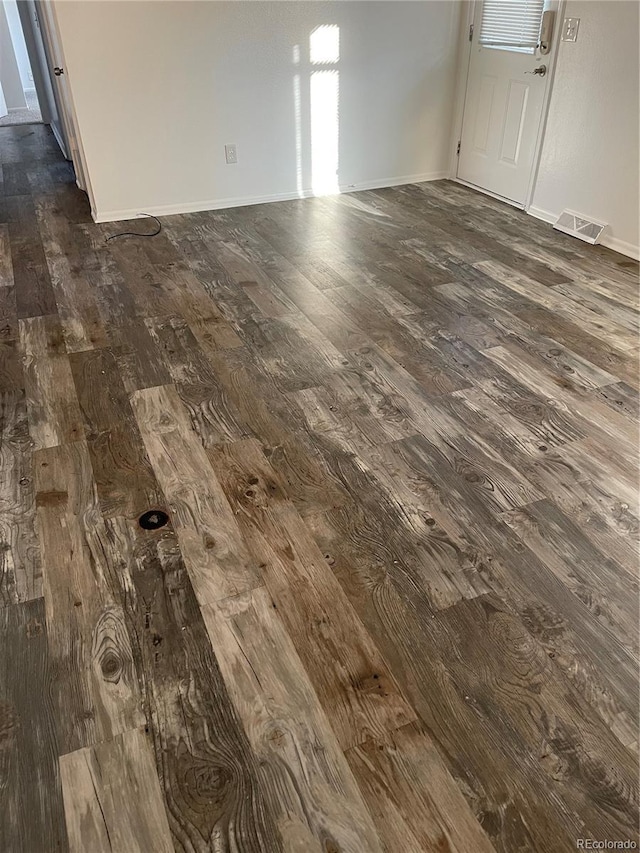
395, 607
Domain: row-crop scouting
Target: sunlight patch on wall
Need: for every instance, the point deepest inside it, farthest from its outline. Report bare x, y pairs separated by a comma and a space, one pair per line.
297, 110
324, 90
324, 44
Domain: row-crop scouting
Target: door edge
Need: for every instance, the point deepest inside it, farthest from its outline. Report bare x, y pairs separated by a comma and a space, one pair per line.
510, 202
462, 76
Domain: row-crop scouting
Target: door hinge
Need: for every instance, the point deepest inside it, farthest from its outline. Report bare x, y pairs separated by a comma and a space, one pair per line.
470, 32
458, 149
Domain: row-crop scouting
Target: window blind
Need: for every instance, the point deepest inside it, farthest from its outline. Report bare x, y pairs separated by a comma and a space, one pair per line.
511, 23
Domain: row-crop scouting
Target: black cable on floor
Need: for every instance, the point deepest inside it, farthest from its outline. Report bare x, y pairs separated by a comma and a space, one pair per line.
135, 233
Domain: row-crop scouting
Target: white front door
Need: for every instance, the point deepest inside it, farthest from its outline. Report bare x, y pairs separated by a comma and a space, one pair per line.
504, 97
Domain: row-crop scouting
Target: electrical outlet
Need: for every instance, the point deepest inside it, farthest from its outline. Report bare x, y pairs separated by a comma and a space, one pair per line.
230, 154
570, 29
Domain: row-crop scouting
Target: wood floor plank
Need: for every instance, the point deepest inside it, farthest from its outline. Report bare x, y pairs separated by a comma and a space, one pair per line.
290, 453
303, 771
8, 314
20, 563
408, 542
180, 351
34, 294
623, 294
505, 328
52, 404
494, 478
563, 739
468, 233
15, 181
597, 580
353, 683
197, 306
31, 808
11, 373
213, 415
96, 686
549, 472
513, 313
620, 397
595, 324
608, 475
340, 474
6, 268
585, 270
82, 325
137, 356
374, 284
209, 776
216, 557
415, 801
568, 631
351, 395
125, 482
426, 366
355, 428
604, 305
168, 289
204, 259
112, 798
589, 414
516, 814
133, 265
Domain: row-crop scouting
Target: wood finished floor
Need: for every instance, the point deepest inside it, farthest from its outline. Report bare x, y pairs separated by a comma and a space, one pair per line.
396, 606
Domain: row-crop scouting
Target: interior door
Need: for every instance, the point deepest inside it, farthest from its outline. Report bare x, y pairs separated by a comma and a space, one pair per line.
38, 60
58, 119
505, 96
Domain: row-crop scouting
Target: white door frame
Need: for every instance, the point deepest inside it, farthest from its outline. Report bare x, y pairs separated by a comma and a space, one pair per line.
464, 59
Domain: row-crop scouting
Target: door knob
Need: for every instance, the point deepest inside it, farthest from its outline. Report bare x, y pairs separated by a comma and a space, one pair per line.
540, 71
58, 71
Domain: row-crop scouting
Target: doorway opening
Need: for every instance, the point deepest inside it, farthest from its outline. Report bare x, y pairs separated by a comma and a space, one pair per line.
19, 102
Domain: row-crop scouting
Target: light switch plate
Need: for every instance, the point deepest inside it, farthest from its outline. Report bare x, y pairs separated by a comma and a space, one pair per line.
570, 29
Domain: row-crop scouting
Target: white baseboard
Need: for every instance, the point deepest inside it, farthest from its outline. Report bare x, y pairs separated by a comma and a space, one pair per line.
394, 182
622, 246
244, 201
544, 215
193, 206
610, 242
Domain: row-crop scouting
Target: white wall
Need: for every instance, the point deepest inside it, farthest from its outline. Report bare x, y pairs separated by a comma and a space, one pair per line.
159, 88
9, 73
19, 45
589, 159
